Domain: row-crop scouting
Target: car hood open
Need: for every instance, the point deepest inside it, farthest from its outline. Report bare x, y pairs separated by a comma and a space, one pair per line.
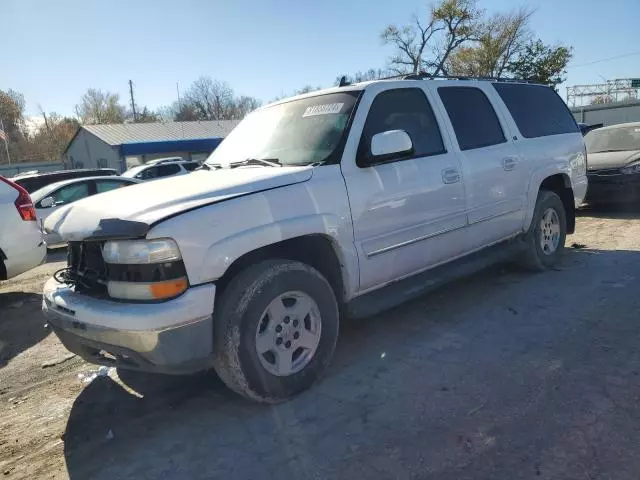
602, 160
130, 212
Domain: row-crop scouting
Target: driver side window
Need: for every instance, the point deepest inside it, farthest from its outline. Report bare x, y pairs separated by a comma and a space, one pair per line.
70, 193
402, 109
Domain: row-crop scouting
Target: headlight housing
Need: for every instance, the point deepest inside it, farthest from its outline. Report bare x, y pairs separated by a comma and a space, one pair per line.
631, 169
144, 270
137, 252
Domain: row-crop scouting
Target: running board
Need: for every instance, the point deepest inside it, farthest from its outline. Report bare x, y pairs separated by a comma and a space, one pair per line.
396, 293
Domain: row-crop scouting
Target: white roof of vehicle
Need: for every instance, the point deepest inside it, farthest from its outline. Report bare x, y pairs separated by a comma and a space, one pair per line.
44, 191
401, 83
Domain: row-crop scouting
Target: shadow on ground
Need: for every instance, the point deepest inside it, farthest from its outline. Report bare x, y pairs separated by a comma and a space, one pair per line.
57, 254
21, 323
500, 375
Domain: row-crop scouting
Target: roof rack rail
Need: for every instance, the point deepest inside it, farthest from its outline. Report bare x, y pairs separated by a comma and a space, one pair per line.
427, 76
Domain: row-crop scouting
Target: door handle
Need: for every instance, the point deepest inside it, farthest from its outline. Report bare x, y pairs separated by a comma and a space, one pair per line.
509, 163
450, 175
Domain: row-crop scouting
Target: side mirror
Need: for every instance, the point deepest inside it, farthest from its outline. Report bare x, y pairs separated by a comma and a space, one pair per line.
390, 145
47, 202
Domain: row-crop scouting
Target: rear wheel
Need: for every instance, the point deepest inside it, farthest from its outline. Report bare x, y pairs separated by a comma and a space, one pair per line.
547, 233
275, 330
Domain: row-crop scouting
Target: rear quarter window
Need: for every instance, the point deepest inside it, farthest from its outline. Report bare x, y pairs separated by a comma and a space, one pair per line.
537, 110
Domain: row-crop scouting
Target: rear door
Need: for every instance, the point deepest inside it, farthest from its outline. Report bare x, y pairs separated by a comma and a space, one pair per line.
495, 182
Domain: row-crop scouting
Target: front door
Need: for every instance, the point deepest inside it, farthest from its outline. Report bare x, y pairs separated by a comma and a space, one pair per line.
408, 212
492, 165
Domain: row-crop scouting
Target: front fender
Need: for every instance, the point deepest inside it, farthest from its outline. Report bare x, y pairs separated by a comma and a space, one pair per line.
221, 254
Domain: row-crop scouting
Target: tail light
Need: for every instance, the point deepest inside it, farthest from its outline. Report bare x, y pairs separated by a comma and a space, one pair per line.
23, 203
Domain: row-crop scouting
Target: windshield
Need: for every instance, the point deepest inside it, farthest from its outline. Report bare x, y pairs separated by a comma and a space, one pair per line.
613, 140
299, 132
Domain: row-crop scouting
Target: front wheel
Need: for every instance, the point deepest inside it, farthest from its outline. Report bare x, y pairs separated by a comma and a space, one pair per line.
546, 236
275, 329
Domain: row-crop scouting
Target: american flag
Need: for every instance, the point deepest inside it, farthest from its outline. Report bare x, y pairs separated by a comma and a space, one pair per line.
3, 135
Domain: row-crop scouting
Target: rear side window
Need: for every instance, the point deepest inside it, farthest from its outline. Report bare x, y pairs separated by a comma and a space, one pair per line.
537, 110
472, 116
167, 170
190, 167
403, 109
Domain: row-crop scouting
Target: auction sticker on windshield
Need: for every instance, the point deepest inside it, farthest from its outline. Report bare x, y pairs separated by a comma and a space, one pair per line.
324, 109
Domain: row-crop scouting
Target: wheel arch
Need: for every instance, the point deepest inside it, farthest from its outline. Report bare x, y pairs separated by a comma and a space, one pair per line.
317, 250
558, 182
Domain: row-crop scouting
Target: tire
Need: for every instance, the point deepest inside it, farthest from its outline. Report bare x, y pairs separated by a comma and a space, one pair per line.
244, 310
535, 257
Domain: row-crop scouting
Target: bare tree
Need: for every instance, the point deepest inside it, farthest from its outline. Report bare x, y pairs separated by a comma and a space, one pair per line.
427, 45
98, 107
501, 39
371, 74
209, 99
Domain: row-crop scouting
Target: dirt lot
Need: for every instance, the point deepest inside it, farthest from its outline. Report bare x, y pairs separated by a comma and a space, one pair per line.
504, 375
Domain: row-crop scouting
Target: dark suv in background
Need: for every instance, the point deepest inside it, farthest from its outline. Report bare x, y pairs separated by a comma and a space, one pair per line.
35, 181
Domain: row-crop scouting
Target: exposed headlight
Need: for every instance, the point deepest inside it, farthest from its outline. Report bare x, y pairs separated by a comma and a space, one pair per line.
144, 269
631, 169
136, 252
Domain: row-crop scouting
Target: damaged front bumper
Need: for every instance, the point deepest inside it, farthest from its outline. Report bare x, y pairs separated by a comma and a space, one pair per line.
175, 336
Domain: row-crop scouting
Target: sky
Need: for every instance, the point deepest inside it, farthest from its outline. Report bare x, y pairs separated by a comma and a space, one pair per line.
55, 50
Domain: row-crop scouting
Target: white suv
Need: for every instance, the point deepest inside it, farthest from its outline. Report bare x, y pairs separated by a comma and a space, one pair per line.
21, 245
162, 168
350, 199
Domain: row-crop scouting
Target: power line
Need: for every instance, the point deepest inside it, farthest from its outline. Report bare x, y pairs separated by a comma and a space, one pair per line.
605, 59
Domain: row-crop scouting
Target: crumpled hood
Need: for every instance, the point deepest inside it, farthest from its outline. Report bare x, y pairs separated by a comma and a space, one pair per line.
130, 211
601, 160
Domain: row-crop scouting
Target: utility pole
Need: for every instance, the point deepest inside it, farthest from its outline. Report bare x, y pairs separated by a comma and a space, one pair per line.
133, 103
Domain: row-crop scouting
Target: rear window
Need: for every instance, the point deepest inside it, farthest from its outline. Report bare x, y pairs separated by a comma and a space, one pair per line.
472, 116
537, 110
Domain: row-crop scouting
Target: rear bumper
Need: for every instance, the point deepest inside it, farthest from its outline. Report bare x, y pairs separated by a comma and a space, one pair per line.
613, 188
170, 337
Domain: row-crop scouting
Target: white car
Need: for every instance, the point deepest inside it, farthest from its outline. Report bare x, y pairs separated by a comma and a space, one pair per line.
350, 199
21, 245
54, 196
161, 168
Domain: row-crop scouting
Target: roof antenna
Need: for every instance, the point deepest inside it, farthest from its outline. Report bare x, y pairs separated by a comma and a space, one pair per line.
343, 81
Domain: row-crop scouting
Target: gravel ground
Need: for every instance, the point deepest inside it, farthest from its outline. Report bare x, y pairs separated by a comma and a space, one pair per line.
503, 375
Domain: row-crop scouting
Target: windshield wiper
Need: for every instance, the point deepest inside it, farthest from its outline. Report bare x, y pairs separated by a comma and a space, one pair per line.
209, 166
269, 162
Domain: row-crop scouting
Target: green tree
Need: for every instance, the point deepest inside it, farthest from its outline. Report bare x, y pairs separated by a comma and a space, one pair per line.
501, 40
542, 63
